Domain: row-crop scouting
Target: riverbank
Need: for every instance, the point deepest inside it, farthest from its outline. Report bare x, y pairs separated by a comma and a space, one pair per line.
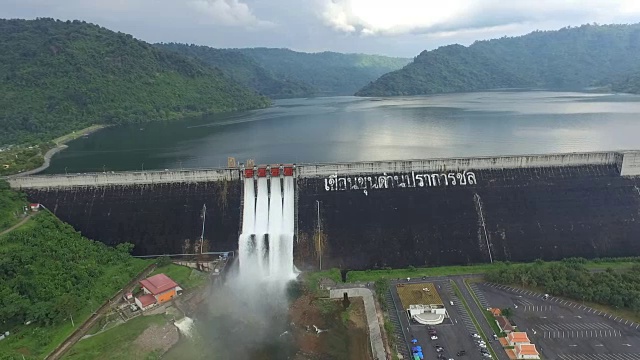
21, 161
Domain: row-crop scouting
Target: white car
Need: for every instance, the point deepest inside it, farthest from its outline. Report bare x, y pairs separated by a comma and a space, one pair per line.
484, 346
434, 337
475, 336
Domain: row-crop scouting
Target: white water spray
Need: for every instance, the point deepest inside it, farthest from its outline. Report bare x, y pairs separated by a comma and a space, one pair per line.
185, 325
266, 242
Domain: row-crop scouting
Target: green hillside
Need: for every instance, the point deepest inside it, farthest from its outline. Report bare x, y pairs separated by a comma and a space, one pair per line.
329, 73
244, 70
50, 273
570, 58
62, 76
629, 84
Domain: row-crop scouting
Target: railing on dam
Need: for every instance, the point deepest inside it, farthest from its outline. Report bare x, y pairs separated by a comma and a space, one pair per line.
459, 164
124, 178
627, 162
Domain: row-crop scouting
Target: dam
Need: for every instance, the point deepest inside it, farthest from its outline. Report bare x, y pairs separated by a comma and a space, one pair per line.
373, 214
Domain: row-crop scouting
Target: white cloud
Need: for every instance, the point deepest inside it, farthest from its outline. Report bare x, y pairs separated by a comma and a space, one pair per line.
226, 12
392, 17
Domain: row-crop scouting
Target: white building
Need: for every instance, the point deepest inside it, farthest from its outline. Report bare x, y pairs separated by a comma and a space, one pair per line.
427, 314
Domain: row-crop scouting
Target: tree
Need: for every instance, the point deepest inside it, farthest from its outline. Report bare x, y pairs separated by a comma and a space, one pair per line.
507, 312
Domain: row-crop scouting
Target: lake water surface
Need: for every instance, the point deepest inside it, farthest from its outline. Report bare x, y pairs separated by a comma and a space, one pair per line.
338, 129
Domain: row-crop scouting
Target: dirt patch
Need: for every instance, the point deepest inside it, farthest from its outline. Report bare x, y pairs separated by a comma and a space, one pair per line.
157, 338
323, 329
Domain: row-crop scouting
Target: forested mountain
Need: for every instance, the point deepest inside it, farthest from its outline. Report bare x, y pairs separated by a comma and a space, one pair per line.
62, 76
569, 58
629, 84
329, 73
244, 70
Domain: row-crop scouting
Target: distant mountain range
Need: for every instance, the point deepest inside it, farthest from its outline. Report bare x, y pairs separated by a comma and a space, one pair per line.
58, 77
570, 58
283, 73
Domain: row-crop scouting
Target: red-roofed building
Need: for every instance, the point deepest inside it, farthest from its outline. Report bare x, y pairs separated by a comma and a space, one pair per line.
161, 287
504, 324
516, 338
526, 351
145, 301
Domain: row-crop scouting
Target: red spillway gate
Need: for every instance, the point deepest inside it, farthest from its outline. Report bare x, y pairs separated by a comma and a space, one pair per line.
275, 171
248, 173
288, 170
262, 171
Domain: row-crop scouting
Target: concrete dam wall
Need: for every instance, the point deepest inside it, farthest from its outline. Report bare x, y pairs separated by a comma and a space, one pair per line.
376, 214
518, 214
156, 218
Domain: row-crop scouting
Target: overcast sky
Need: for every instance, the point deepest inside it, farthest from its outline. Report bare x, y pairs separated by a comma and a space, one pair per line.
389, 27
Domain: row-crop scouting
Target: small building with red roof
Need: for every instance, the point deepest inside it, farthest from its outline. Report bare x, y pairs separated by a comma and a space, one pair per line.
161, 287
145, 301
504, 324
517, 338
526, 351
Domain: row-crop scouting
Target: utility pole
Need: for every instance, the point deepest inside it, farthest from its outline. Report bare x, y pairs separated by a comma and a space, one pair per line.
204, 217
319, 238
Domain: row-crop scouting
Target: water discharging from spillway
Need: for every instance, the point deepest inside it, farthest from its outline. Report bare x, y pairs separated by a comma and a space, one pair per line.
266, 242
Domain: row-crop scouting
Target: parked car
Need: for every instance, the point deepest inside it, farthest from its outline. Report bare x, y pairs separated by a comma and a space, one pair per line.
461, 353
476, 336
434, 337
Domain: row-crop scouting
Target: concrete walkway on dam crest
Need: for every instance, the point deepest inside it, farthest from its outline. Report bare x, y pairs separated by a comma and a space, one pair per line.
377, 346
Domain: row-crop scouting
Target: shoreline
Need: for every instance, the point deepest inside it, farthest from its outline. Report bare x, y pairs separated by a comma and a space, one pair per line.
60, 145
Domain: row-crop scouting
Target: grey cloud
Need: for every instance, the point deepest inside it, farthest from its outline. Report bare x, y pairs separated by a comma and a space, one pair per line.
299, 24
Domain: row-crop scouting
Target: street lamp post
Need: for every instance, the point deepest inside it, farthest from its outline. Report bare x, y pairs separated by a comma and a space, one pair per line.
319, 238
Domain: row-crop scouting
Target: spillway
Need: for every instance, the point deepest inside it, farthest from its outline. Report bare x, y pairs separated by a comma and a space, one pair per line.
266, 242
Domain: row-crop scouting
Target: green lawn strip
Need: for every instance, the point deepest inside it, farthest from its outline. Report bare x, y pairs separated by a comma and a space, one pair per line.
473, 318
487, 314
76, 134
373, 275
313, 279
115, 343
186, 277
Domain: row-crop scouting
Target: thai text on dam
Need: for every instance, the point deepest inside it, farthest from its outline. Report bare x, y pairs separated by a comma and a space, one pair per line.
403, 180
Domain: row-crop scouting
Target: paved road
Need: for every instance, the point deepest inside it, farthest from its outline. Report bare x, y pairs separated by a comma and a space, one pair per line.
47, 161
82, 329
16, 225
377, 345
477, 313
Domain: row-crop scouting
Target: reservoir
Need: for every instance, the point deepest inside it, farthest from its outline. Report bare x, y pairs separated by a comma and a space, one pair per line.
345, 129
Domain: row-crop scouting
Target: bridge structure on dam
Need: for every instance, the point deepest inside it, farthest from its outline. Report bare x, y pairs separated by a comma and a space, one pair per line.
375, 214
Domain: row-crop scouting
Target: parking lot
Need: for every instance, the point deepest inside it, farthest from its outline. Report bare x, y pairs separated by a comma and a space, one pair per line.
563, 329
454, 335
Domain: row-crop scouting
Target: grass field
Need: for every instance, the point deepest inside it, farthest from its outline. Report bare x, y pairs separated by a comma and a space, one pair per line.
76, 134
415, 294
373, 275
186, 277
117, 343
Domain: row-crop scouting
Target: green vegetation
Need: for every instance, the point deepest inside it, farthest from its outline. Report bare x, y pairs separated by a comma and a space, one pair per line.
630, 84
413, 272
572, 278
473, 318
329, 73
11, 206
245, 70
21, 158
117, 343
186, 277
487, 314
313, 279
570, 58
50, 273
58, 77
